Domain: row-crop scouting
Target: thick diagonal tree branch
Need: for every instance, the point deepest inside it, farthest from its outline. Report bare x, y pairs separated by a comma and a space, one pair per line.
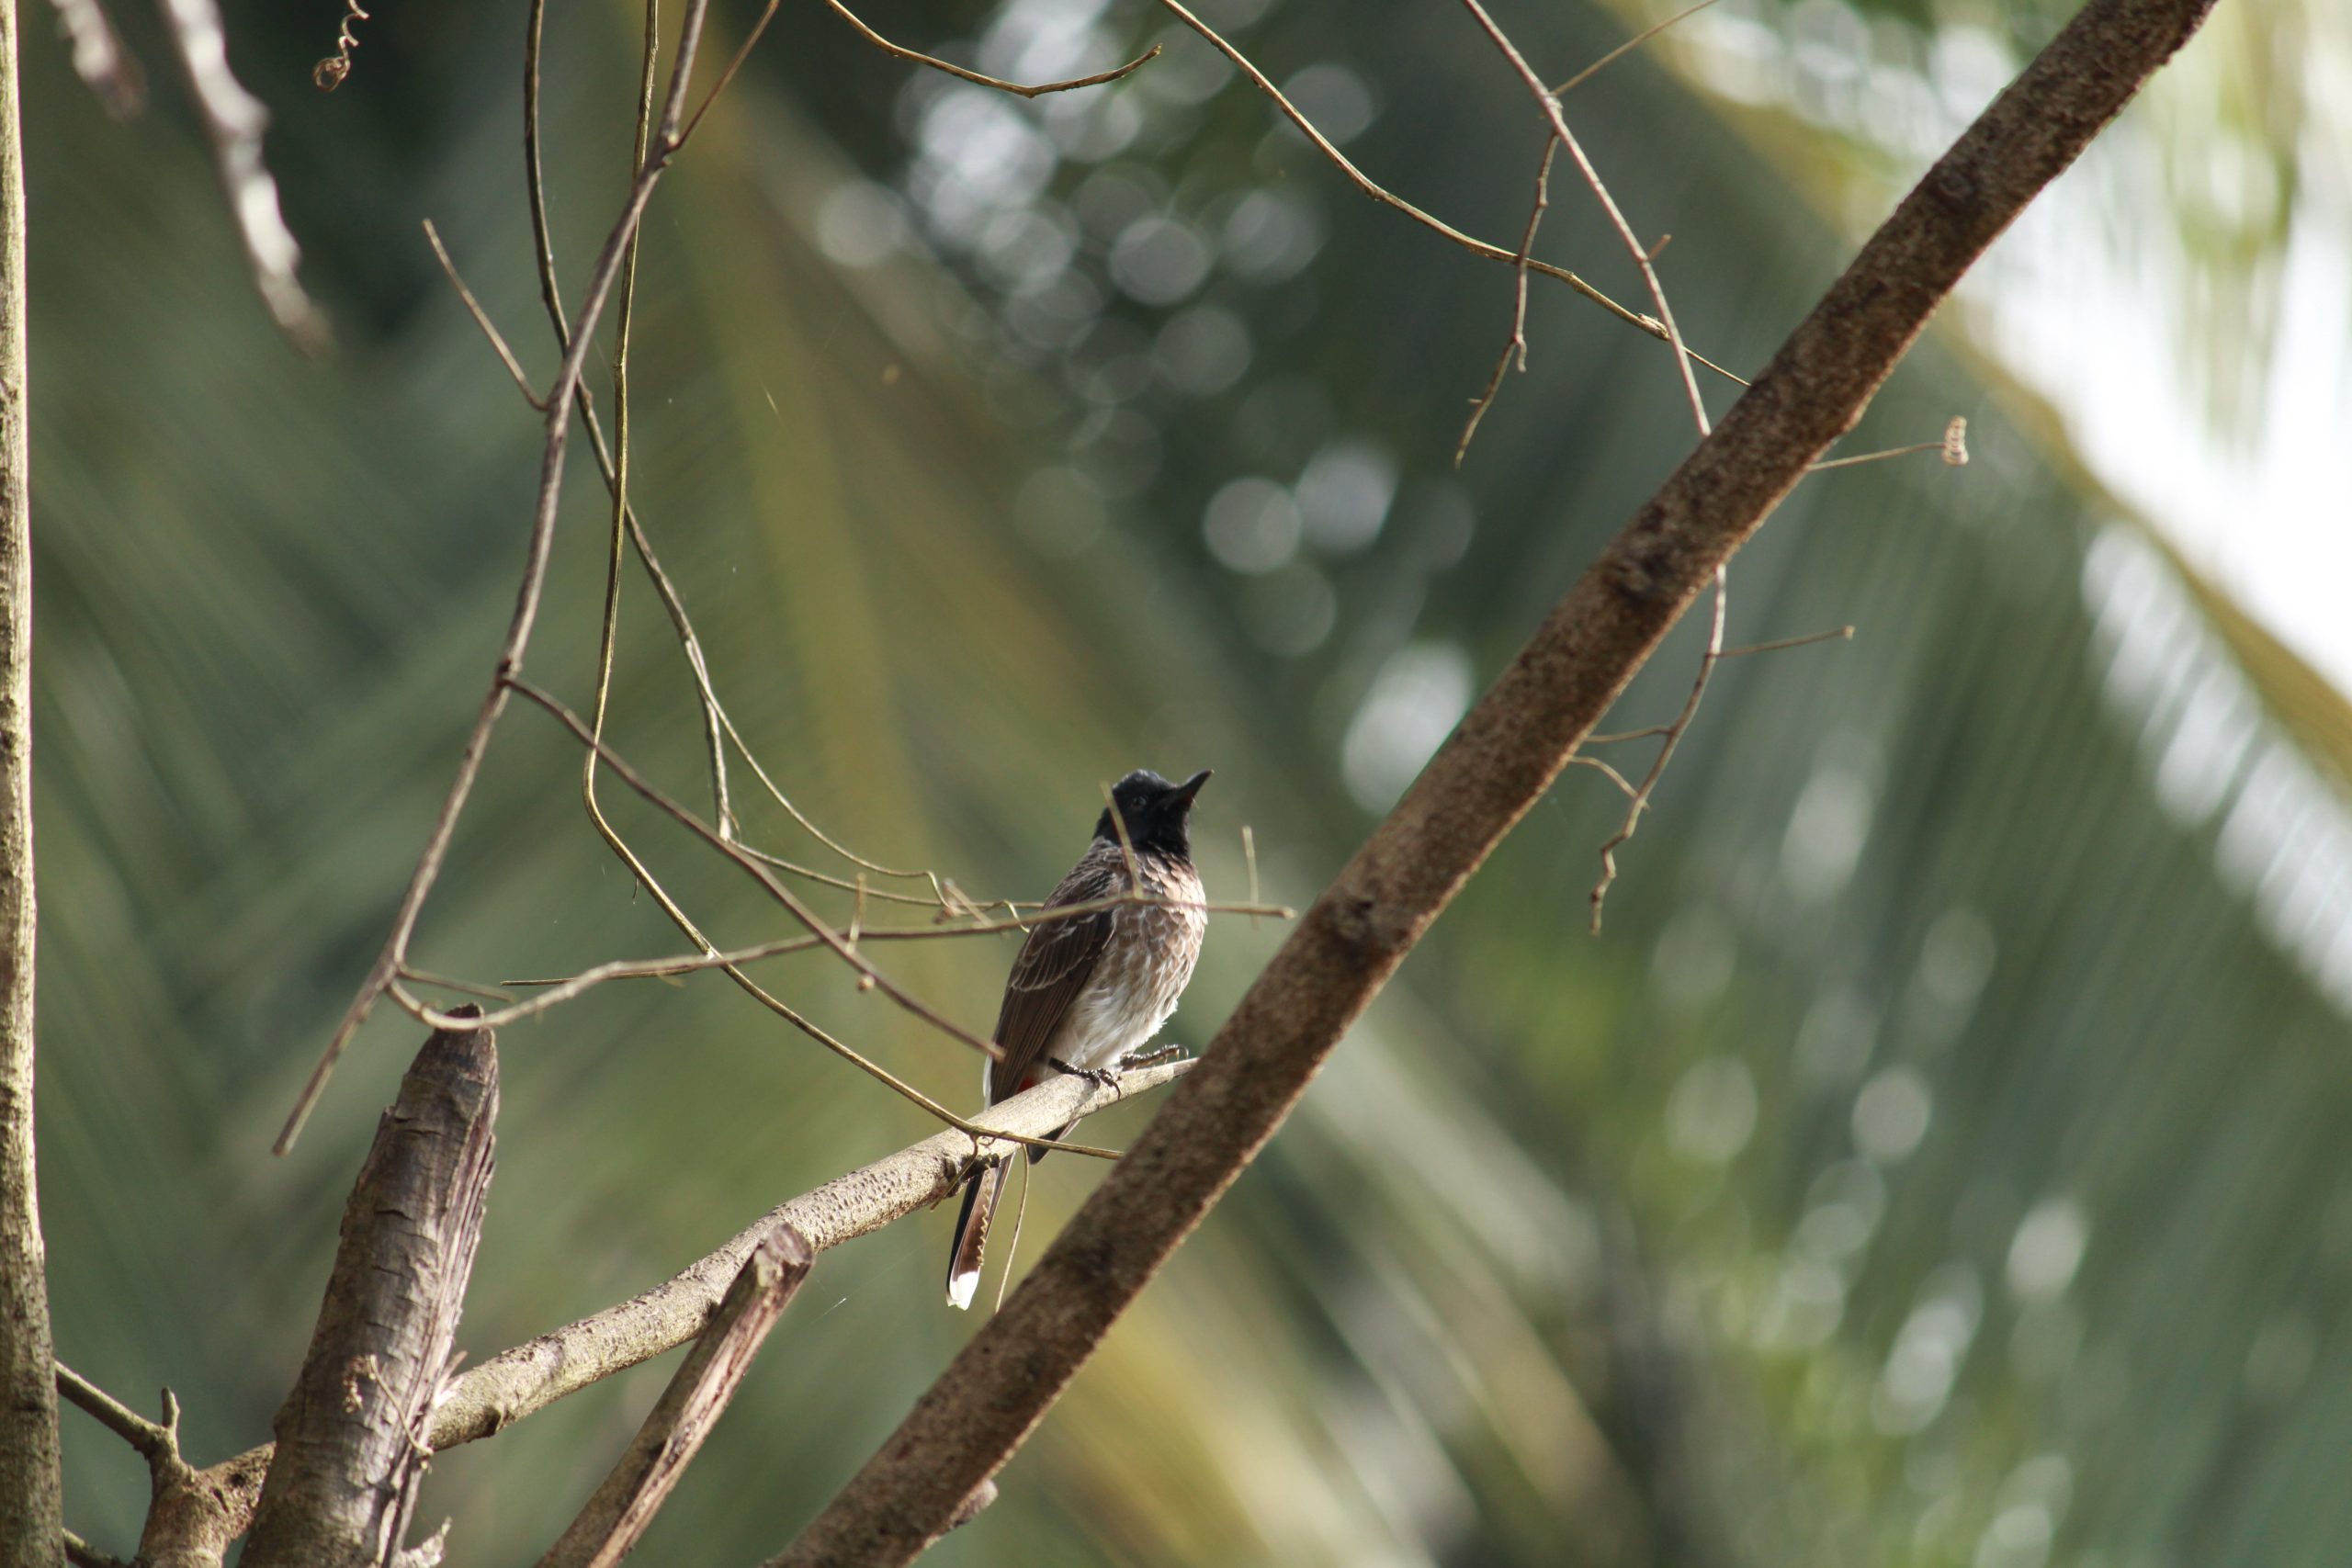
350, 1451
1500, 760
30, 1523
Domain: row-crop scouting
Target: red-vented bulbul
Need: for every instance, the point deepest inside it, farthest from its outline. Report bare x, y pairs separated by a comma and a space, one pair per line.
1088, 991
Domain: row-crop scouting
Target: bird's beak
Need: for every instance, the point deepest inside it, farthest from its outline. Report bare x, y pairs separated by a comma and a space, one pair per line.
1191, 786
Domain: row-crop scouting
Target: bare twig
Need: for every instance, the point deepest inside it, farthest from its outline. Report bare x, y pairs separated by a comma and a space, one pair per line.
815, 926
99, 59
916, 57
716, 722
1249, 858
1644, 258
1515, 346
1638, 800
1622, 50
234, 119
567, 988
450, 983
558, 403
613, 1519
552, 295
194, 1515
82, 1554
1387, 198
609, 633
481, 317
343, 1482
1549, 102
1011, 1248
1499, 761
1127, 848
742, 53
1781, 644
1614, 776
535, 182
328, 73
152, 1439
716, 716
1953, 448
767, 15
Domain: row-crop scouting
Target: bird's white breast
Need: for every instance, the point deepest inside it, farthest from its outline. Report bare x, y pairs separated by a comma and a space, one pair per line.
1141, 975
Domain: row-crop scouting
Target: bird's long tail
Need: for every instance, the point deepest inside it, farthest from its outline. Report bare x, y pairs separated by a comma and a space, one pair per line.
980, 1195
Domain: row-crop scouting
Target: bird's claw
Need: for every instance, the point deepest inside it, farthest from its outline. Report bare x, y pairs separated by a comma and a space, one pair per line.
1135, 1059
1097, 1076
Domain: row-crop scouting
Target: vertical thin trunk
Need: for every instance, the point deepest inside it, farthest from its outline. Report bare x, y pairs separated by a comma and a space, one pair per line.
30, 1519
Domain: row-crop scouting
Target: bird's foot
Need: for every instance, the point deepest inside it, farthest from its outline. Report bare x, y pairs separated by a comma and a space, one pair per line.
1097, 1076
1152, 1058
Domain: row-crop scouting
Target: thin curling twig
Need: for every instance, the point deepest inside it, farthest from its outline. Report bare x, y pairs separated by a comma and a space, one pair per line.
609, 633
624, 525
962, 73
719, 727
328, 73
551, 296
558, 402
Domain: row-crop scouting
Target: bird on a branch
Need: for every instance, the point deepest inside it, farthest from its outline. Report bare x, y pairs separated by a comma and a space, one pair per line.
1087, 992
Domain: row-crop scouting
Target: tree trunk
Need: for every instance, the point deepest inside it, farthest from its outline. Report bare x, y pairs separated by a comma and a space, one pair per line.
31, 1520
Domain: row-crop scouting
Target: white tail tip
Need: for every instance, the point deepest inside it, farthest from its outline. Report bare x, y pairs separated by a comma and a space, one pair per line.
960, 1288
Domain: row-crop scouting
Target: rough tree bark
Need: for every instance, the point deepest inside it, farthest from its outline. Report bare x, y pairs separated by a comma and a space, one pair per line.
351, 1435
1499, 761
31, 1517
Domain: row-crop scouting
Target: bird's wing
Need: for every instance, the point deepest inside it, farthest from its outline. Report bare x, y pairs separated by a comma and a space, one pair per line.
1053, 968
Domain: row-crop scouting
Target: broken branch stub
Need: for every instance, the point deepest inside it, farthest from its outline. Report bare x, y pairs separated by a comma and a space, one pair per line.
351, 1435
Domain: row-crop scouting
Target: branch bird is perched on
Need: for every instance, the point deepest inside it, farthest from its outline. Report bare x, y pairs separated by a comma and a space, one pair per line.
1088, 991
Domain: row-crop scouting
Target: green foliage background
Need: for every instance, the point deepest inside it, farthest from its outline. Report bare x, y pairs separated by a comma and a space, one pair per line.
1937, 1160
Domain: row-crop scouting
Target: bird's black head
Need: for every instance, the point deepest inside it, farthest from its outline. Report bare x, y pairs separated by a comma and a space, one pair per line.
1158, 814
